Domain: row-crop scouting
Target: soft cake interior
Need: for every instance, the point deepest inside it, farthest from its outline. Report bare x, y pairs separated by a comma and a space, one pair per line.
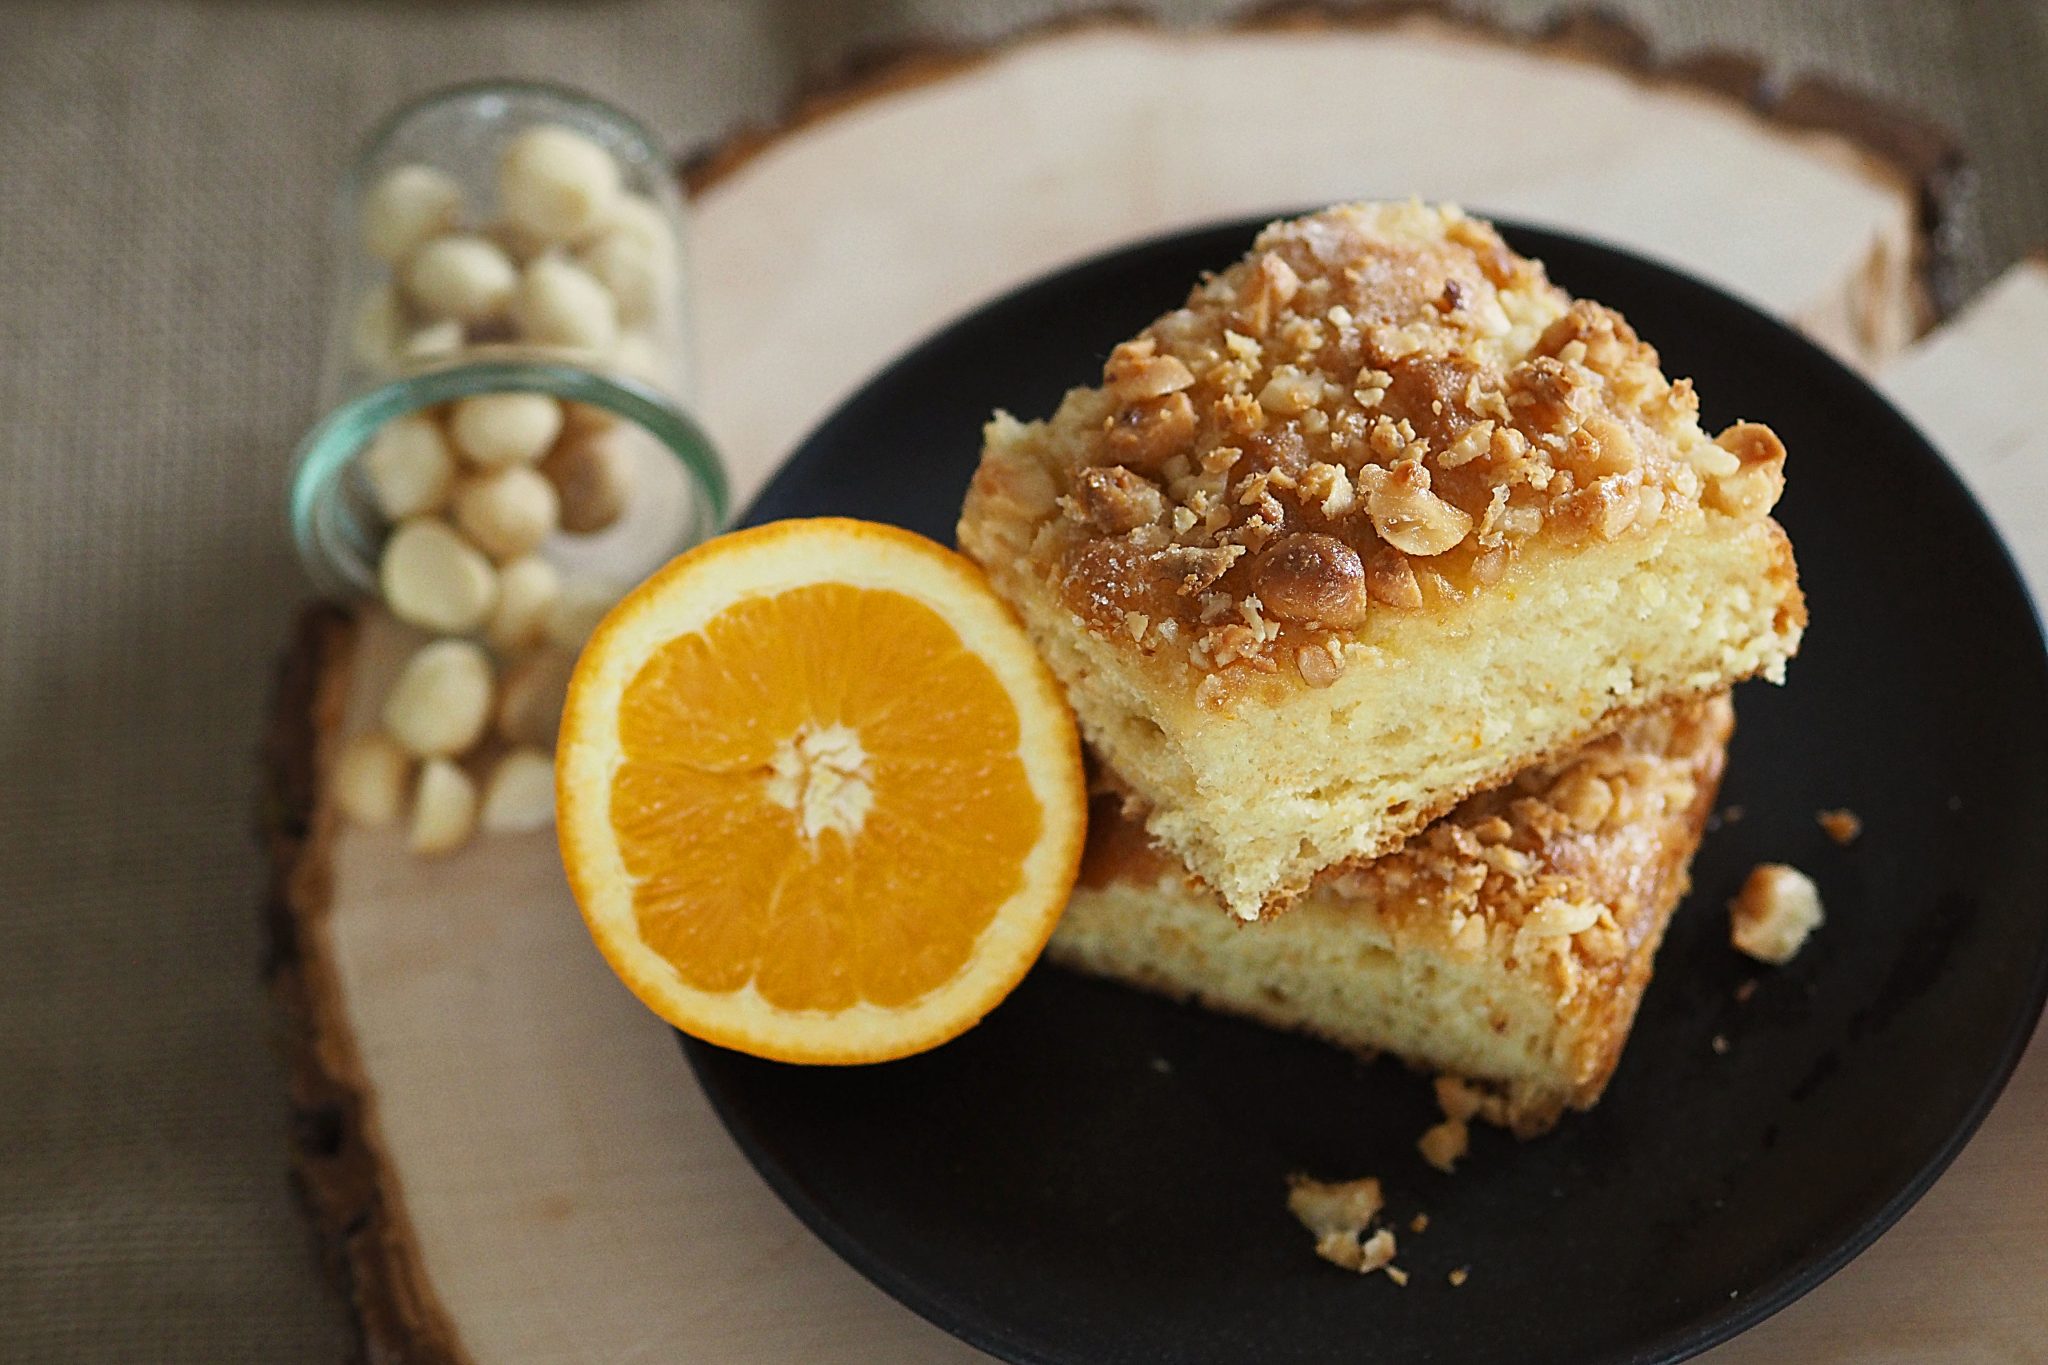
1509, 943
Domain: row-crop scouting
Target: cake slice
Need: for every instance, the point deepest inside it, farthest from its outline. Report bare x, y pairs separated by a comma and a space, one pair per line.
1507, 944
1379, 519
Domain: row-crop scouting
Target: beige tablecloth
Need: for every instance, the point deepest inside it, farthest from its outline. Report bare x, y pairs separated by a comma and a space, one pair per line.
164, 180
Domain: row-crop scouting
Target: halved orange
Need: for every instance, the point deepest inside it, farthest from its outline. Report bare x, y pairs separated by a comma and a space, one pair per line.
818, 798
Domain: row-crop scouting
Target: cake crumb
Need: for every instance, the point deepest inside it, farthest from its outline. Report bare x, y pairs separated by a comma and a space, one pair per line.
1339, 1214
1771, 917
1720, 1045
1459, 1276
1398, 1275
1844, 826
1442, 1145
1419, 1223
1732, 815
1745, 991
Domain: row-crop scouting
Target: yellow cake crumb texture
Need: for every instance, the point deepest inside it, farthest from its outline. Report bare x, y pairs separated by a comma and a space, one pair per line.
1508, 944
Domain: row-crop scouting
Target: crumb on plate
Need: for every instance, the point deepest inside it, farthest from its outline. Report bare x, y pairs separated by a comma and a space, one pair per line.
1842, 825
1771, 916
1340, 1213
1442, 1145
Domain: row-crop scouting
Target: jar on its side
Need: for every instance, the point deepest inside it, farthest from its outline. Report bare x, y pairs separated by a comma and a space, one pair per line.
509, 237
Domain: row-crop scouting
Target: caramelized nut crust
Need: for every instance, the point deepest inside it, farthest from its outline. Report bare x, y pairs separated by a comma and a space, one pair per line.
1377, 410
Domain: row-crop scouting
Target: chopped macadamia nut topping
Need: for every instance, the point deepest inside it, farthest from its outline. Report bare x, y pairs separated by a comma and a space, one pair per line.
1377, 410
1771, 916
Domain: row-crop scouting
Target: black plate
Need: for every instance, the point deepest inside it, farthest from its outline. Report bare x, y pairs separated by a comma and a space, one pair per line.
1095, 1175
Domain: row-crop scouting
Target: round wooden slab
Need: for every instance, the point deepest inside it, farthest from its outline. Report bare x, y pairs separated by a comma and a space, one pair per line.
504, 1155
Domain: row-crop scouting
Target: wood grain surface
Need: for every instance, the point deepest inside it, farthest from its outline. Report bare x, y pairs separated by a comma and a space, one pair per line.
505, 1156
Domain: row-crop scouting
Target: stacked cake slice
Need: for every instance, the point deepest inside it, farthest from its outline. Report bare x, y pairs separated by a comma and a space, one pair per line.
1393, 585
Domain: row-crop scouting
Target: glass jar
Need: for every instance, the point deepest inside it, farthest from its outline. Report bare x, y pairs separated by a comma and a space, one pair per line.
509, 237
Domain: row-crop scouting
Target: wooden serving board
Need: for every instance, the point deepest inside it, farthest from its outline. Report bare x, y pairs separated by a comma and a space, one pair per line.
506, 1158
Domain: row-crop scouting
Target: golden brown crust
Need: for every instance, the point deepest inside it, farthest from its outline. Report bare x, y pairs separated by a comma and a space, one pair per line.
1373, 412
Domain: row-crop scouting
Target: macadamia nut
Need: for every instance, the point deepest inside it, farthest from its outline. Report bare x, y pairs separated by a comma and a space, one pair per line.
527, 589
505, 428
506, 512
592, 471
441, 702
434, 579
624, 265
639, 219
406, 207
461, 276
521, 243
409, 466
557, 182
369, 778
559, 303
443, 808
519, 795
530, 703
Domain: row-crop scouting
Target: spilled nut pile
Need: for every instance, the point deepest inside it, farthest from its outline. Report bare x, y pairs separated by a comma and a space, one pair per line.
474, 490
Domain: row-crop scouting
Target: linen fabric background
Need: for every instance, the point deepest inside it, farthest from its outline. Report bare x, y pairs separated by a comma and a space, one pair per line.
165, 180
